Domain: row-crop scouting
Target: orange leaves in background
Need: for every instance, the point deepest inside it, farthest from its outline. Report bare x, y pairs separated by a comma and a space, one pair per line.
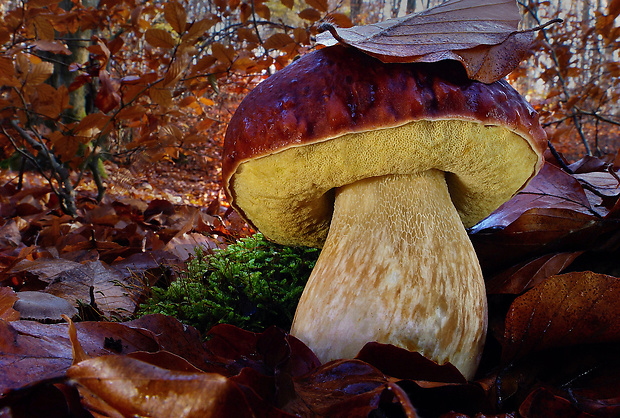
159, 38
176, 16
146, 67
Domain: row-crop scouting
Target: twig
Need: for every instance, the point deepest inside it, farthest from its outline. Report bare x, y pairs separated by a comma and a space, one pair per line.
573, 114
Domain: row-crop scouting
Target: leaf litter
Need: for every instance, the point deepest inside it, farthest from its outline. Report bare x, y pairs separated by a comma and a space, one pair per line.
540, 320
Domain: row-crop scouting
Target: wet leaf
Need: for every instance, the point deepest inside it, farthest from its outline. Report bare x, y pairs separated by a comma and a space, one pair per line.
72, 281
237, 348
482, 35
174, 337
573, 308
31, 351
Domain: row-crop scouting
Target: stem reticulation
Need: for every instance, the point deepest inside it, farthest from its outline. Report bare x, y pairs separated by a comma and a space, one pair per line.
397, 268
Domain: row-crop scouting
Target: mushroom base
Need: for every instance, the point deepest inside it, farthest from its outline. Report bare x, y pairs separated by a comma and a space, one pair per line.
398, 268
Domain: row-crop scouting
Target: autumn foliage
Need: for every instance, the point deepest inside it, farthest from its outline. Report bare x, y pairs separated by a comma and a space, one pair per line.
572, 78
82, 84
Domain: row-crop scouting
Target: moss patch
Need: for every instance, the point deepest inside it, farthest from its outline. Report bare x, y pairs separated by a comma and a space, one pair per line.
252, 284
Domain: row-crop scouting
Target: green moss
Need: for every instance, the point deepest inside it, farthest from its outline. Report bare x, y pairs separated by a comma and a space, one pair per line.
252, 284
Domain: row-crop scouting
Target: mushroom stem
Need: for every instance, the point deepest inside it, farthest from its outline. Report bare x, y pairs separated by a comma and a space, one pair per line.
398, 268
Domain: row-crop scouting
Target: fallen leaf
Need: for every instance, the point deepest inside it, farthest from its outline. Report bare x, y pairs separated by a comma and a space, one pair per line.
572, 308
7, 300
174, 337
530, 273
348, 388
72, 281
482, 35
542, 401
555, 213
404, 364
31, 351
76, 348
185, 245
551, 188
434, 399
237, 348
137, 388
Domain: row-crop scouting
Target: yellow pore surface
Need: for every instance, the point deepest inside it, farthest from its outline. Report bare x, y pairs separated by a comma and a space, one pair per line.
288, 195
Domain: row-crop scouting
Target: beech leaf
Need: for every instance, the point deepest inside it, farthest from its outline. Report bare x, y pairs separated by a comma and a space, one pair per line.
482, 35
175, 15
134, 387
569, 309
159, 38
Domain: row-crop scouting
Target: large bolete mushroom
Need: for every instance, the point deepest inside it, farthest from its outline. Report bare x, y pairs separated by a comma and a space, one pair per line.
382, 165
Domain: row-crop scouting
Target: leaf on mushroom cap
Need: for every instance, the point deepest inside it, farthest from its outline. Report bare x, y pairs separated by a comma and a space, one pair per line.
482, 35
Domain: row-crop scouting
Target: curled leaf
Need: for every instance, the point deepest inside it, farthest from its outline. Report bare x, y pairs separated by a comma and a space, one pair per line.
482, 35
78, 352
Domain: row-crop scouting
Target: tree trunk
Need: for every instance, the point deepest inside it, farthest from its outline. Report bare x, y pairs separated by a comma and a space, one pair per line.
356, 9
411, 5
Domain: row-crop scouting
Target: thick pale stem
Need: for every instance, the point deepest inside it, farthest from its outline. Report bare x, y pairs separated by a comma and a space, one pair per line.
397, 267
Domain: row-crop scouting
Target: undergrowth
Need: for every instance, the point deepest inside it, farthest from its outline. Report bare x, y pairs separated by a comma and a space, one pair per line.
252, 284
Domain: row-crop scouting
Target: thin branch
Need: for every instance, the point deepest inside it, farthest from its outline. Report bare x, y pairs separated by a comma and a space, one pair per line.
556, 61
66, 191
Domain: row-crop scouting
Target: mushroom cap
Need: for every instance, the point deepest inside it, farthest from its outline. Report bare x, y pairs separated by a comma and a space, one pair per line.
337, 115
42, 307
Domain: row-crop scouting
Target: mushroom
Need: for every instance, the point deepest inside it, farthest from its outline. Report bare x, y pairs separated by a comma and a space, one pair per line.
42, 307
383, 166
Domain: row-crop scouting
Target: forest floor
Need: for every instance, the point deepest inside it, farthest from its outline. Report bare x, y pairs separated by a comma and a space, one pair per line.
152, 218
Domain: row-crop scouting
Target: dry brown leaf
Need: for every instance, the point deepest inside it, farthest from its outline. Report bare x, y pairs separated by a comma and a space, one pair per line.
176, 69
482, 35
277, 41
184, 246
159, 38
197, 29
7, 299
175, 15
40, 72
56, 47
320, 5
161, 95
134, 387
569, 309
76, 348
310, 14
224, 54
288, 3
